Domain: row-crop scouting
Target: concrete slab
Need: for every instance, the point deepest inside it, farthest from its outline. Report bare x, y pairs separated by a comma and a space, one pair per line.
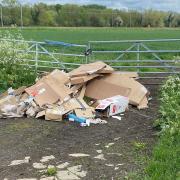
77, 170
66, 175
79, 155
63, 165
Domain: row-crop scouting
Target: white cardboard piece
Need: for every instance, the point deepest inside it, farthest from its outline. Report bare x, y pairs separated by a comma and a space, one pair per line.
115, 105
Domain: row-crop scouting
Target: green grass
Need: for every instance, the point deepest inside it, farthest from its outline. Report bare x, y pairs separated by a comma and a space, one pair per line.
165, 161
83, 35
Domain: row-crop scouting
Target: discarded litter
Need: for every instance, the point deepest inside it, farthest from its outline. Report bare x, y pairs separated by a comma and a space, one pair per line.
18, 162
85, 95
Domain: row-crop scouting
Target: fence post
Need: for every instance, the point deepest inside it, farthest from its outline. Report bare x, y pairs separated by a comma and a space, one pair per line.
36, 57
138, 54
89, 56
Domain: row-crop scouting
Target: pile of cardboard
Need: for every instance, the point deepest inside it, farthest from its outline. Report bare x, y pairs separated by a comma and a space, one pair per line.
58, 94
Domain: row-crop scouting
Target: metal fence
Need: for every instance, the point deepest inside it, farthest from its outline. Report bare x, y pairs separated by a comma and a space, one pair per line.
48, 55
145, 56
160, 56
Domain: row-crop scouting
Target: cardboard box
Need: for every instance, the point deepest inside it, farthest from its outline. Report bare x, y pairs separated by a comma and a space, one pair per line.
101, 88
116, 84
113, 105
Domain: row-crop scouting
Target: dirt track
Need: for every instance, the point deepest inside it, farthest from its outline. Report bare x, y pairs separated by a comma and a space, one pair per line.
37, 138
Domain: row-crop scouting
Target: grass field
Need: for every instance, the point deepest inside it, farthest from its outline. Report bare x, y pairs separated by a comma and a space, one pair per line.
83, 35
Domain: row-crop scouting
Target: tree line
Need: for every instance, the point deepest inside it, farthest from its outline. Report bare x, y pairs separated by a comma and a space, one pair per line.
70, 15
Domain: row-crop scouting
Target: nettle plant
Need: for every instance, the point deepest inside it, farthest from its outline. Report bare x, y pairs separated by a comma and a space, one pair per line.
12, 73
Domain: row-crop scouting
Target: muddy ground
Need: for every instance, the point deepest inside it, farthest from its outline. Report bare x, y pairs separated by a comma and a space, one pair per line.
36, 138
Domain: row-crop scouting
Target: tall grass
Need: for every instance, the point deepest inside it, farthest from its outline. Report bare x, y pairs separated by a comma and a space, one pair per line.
165, 161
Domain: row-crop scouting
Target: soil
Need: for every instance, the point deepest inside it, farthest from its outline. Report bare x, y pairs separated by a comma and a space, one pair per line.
23, 137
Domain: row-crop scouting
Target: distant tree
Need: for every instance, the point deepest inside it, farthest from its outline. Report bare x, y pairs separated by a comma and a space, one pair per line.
169, 19
10, 2
95, 6
118, 21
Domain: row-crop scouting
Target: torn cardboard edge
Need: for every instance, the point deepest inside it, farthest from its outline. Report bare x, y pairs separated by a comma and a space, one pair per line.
92, 68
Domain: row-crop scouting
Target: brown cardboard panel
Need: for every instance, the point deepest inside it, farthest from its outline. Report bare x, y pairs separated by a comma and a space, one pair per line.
75, 103
102, 89
143, 104
50, 89
41, 114
86, 69
138, 91
83, 79
115, 84
59, 76
82, 93
45, 95
60, 89
86, 113
107, 69
53, 114
127, 74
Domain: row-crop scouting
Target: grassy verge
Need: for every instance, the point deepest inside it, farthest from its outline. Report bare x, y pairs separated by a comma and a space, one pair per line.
165, 161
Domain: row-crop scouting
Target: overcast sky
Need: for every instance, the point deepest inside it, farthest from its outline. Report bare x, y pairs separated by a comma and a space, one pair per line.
165, 5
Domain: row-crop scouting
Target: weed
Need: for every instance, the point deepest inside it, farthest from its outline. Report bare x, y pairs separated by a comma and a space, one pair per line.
51, 171
139, 145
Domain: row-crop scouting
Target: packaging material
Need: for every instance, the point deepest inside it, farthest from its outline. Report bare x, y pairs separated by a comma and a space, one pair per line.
53, 114
114, 105
83, 79
92, 68
101, 88
79, 95
117, 84
50, 89
127, 74
83, 121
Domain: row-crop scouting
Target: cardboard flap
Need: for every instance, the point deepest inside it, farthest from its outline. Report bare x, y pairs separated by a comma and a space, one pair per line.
126, 74
83, 79
86, 69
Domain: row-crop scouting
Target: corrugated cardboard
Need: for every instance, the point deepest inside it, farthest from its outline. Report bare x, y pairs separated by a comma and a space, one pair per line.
127, 74
143, 104
84, 113
44, 94
83, 79
53, 115
50, 89
138, 91
116, 84
75, 103
108, 69
91, 68
41, 114
59, 76
100, 88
